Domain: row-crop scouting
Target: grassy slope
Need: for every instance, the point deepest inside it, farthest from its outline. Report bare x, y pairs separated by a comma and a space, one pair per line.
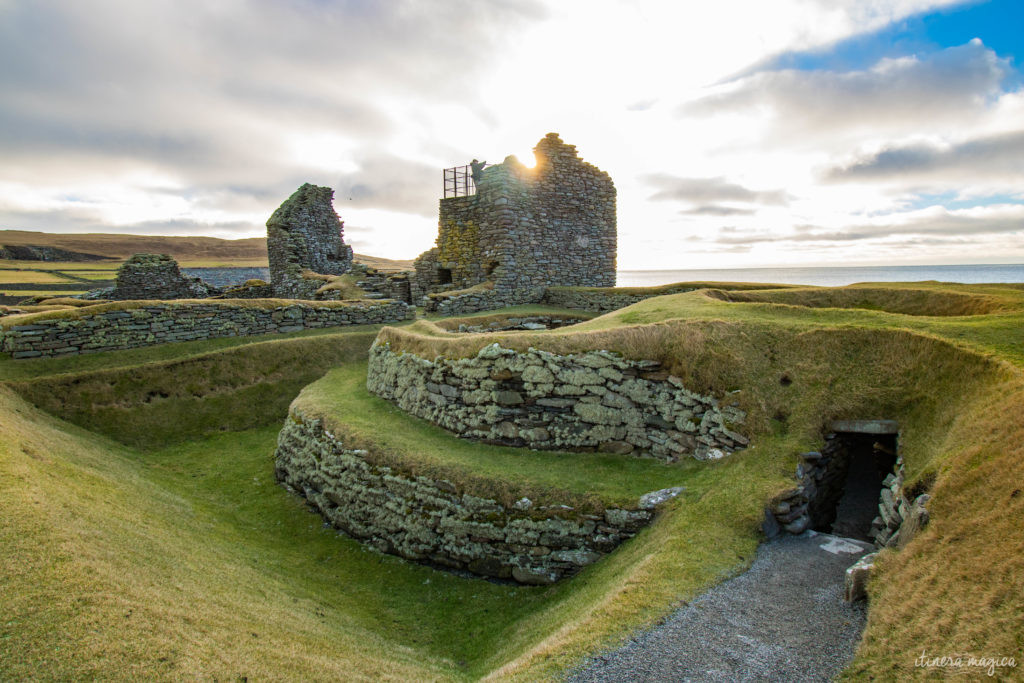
958, 405
108, 513
169, 401
110, 572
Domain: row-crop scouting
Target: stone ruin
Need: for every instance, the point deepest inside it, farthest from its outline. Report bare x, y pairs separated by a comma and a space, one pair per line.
305, 234
526, 229
155, 276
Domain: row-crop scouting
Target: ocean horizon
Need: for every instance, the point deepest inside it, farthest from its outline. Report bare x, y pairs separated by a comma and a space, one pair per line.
829, 276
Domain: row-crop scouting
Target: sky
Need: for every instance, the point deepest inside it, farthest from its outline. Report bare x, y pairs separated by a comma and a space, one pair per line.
739, 133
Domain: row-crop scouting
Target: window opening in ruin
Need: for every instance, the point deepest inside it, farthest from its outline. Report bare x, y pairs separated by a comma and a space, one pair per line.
490, 268
847, 497
444, 276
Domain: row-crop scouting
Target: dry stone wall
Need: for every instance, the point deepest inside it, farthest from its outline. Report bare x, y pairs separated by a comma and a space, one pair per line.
156, 276
149, 324
526, 322
463, 303
431, 521
585, 401
304, 233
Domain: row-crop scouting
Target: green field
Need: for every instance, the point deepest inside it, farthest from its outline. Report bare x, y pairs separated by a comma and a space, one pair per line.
145, 537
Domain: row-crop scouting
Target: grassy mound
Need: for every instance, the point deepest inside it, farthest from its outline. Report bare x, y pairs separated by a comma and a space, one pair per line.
441, 325
171, 553
931, 302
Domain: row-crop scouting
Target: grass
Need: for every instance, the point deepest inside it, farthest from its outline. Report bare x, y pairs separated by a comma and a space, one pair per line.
475, 289
168, 401
178, 557
672, 288
485, 318
29, 276
583, 480
28, 293
188, 561
345, 284
91, 274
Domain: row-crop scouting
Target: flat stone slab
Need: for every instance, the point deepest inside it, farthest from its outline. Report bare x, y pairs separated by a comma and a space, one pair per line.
784, 619
866, 426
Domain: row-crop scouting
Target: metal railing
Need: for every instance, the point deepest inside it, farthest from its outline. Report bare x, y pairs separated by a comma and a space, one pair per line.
458, 182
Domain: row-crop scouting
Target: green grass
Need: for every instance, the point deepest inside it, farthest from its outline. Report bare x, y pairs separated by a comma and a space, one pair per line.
177, 556
29, 276
583, 480
92, 274
14, 370
26, 293
189, 561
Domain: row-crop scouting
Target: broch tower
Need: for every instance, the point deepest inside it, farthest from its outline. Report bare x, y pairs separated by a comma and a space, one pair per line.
526, 229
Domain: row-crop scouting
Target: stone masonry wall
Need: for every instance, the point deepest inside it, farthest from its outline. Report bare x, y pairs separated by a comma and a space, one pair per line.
151, 324
156, 276
526, 322
304, 233
464, 303
526, 229
586, 401
428, 520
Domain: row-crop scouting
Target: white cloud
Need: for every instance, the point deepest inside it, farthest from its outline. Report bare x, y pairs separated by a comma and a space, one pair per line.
203, 117
896, 96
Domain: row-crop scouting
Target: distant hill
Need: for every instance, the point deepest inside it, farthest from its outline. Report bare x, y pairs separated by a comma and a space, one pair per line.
252, 250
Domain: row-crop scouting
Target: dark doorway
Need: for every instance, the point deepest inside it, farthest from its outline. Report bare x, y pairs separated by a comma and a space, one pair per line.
444, 276
847, 498
871, 458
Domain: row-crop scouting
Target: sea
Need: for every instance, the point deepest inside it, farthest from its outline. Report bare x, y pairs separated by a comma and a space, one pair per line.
828, 276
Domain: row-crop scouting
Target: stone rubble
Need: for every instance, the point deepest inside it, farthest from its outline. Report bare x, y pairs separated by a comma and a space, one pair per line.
155, 276
855, 583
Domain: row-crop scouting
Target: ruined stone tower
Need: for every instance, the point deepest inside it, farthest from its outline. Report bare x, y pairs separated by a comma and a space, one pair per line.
304, 233
527, 229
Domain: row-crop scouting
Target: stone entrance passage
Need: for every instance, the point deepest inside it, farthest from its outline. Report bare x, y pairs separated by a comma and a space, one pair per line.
863, 453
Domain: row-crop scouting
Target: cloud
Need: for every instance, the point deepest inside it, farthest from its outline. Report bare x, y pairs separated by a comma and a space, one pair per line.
701, 190
998, 156
716, 210
78, 221
938, 225
901, 93
213, 95
385, 180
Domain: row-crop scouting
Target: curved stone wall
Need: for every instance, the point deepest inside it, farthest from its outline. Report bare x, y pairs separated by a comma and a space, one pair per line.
428, 520
538, 399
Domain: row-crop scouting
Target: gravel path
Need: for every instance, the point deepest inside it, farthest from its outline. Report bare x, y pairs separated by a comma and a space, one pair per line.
782, 620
